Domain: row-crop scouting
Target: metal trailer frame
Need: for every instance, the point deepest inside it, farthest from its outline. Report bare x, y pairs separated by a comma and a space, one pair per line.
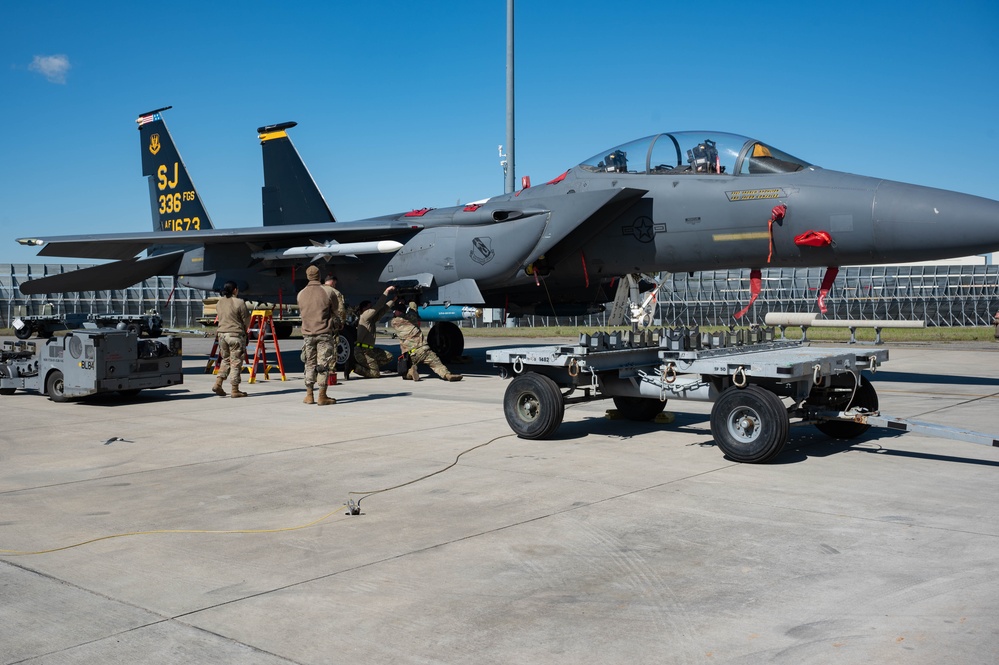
44, 325
745, 374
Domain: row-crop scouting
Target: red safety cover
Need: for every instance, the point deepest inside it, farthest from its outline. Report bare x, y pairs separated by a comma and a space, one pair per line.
814, 239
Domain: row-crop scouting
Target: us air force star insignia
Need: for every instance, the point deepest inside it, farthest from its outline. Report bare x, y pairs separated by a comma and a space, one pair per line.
154, 143
643, 229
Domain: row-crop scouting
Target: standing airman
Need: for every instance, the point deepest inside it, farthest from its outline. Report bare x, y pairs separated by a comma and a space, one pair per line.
234, 319
318, 313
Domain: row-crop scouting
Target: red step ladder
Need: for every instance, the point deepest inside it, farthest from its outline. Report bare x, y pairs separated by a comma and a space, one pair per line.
264, 320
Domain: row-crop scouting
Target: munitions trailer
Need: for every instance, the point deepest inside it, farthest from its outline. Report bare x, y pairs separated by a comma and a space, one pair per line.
746, 374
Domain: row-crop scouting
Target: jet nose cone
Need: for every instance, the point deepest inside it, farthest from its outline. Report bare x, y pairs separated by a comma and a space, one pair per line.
913, 223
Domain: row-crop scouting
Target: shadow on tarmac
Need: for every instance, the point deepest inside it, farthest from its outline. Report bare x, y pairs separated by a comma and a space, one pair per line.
883, 376
804, 443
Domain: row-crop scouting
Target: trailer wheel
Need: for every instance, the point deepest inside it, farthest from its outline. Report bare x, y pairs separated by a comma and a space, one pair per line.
533, 406
55, 387
639, 408
24, 332
446, 340
134, 329
749, 424
866, 397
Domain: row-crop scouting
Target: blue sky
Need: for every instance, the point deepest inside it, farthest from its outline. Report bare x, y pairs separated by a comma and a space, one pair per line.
401, 105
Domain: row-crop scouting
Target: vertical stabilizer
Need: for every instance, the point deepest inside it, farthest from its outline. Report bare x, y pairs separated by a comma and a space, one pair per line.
290, 195
176, 205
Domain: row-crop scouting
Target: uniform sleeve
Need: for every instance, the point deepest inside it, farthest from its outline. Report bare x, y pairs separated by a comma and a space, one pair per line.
244, 315
341, 308
381, 307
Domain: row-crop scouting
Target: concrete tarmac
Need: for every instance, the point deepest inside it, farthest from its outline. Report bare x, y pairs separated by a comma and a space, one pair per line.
213, 530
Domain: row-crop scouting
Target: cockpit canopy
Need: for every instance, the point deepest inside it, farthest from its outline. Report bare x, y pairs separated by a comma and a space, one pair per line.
694, 152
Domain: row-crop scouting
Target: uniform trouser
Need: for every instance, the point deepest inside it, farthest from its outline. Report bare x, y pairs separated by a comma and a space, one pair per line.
232, 349
368, 361
318, 356
423, 354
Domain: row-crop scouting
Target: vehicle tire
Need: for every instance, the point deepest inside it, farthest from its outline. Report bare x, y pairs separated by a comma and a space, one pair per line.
446, 340
24, 332
8, 391
749, 424
865, 397
533, 406
639, 408
344, 349
283, 330
55, 387
134, 329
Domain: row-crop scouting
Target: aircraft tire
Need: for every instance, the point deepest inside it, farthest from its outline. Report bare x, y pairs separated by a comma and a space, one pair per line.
749, 424
344, 350
639, 408
446, 340
866, 397
533, 406
55, 387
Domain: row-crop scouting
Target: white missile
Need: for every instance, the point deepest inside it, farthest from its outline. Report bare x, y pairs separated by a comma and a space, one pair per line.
330, 249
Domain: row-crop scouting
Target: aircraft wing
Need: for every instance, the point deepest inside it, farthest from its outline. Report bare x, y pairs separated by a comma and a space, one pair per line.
122, 246
118, 275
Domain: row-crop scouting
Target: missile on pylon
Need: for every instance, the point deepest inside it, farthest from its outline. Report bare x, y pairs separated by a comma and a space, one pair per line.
330, 249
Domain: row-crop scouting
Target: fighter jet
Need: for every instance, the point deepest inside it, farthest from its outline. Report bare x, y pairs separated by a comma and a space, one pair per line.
677, 202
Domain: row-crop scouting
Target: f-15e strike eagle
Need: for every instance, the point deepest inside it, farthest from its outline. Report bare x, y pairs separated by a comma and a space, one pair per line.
676, 201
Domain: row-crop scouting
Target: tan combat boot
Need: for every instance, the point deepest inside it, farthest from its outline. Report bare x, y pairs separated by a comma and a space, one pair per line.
308, 396
236, 392
323, 400
217, 388
453, 377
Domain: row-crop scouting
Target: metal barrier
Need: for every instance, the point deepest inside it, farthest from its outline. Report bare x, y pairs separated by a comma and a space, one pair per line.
941, 295
178, 307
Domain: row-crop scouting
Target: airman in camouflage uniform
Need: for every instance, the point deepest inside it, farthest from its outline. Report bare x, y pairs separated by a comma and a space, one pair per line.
368, 359
318, 312
339, 304
414, 345
234, 319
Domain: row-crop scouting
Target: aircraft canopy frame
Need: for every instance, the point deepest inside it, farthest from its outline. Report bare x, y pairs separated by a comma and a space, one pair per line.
696, 152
